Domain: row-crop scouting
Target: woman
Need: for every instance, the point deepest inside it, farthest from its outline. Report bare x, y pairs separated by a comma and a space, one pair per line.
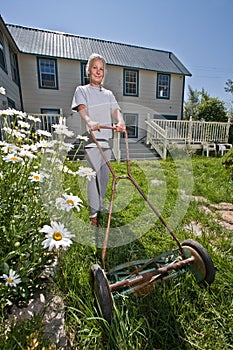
97, 106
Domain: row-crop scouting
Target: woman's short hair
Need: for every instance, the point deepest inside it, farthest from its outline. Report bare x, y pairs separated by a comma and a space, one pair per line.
93, 57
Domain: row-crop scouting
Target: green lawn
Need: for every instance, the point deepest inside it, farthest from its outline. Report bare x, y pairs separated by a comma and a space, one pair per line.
177, 314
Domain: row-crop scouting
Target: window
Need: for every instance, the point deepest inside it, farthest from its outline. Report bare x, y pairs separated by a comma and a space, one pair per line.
14, 66
131, 122
163, 86
10, 102
47, 72
49, 120
84, 78
2, 53
130, 82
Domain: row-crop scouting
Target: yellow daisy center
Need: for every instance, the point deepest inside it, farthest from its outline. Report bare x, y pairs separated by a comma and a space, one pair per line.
70, 201
14, 158
9, 280
57, 236
36, 177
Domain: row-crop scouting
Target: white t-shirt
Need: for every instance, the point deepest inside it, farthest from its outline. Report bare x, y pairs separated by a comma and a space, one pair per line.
100, 104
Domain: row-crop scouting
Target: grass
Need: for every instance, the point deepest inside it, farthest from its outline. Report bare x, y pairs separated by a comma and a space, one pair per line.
177, 314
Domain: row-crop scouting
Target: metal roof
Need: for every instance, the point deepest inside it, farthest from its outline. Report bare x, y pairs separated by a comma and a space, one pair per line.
68, 46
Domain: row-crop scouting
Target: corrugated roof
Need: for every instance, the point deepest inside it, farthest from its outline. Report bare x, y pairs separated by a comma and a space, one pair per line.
63, 45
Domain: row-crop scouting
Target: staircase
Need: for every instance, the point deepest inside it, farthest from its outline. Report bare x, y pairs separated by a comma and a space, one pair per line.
138, 151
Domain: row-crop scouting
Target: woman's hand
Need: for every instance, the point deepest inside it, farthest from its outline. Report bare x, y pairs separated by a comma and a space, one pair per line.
120, 126
93, 126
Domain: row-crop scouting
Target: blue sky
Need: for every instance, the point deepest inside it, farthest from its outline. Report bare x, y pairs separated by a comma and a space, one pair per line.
199, 33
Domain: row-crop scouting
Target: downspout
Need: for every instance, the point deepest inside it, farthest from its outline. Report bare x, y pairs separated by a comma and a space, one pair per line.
19, 85
182, 101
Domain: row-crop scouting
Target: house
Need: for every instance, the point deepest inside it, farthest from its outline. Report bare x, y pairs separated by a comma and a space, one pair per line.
40, 70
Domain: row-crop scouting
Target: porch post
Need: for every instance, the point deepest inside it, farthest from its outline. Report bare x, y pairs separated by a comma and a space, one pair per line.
190, 126
147, 129
228, 128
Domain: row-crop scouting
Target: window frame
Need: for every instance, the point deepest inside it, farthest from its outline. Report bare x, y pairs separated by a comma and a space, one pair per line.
84, 78
40, 80
14, 65
125, 82
161, 86
2, 53
135, 126
165, 116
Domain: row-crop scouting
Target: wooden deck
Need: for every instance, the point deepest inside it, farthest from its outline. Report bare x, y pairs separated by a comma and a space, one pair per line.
163, 134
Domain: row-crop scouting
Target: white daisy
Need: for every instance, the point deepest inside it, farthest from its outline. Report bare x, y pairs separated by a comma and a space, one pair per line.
87, 172
7, 129
14, 112
34, 119
62, 129
24, 124
66, 146
18, 134
12, 279
42, 144
65, 169
69, 202
37, 177
9, 148
82, 138
2, 90
12, 157
56, 236
43, 133
19, 114
27, 153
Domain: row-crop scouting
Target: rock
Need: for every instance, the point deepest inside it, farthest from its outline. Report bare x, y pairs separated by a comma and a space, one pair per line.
227, 215
222, 206
54, 321
195, 228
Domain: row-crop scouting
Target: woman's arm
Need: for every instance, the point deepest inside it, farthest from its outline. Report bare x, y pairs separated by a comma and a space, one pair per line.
120, 127
82, 109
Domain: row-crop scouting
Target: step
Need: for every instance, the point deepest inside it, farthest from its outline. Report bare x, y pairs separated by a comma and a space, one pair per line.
138, 151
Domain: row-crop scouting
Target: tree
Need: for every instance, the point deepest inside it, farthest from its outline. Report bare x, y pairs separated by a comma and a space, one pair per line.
191, 104
211, 109
200, 106
229, 86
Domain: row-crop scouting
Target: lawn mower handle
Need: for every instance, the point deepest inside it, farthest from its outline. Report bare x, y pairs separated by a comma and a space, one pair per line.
128, 176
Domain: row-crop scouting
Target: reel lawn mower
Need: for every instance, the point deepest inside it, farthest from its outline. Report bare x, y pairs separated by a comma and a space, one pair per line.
139, 276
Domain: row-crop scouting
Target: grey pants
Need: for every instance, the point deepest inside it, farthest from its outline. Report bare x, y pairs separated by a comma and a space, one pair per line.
97, 186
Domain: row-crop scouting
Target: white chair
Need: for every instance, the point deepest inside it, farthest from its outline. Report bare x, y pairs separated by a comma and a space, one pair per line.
209, 147
223, 147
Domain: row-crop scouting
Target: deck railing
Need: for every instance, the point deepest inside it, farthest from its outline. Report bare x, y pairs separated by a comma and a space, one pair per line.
47, 120
162, 133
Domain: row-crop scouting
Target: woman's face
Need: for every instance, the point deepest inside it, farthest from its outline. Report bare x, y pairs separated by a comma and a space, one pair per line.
96, 72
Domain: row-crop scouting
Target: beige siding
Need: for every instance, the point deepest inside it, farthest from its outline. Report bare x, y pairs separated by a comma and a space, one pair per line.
69, 76
146, 103
36, 98
12, 89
